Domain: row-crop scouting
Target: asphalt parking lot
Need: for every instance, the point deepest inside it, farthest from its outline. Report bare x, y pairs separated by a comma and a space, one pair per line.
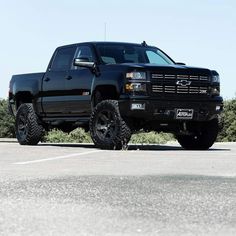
147, 190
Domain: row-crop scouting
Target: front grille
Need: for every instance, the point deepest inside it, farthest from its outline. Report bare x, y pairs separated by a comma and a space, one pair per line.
188, 77
180, 84
180, 89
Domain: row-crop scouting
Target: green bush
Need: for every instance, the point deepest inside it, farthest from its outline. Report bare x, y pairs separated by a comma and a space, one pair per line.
228, 133
76, 136
80, 136
151, 138
7, 123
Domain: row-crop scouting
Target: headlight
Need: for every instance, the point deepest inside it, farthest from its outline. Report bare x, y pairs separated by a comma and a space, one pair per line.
136, 75
216, 79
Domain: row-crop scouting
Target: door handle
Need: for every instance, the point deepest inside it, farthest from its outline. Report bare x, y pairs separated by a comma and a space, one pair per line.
68, 77
47, 79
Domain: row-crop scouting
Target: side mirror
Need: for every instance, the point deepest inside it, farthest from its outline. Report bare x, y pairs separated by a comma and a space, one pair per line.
180, 63
83, 62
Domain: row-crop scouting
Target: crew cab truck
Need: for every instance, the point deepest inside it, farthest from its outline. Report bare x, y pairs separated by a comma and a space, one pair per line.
115, 89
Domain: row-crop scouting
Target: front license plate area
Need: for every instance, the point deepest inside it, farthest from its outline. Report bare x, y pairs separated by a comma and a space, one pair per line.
184, 114
137, 106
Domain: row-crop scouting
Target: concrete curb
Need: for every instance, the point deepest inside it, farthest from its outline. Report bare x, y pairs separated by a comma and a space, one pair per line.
8, 140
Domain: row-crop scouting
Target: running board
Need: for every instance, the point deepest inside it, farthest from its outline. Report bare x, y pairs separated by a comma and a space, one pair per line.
60, 120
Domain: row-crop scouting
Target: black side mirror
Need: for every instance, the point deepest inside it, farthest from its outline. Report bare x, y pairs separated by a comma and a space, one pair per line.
84, 62
180, 63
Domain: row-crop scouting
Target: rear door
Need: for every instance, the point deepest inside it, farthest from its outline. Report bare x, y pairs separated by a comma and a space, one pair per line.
54, 96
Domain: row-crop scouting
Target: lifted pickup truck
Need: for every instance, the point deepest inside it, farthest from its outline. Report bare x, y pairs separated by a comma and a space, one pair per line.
115, 89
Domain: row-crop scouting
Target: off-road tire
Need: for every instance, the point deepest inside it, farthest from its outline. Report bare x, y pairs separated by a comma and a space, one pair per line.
107, 128
203, 140
28, 129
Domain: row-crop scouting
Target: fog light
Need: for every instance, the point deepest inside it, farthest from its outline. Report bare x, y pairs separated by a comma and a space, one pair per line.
136, 87
218, 108
215, 92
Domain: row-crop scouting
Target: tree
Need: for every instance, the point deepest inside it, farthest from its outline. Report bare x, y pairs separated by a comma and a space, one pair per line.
228, 133
7, 124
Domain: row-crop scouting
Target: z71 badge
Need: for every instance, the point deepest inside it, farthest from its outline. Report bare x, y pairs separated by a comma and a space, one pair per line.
184, 114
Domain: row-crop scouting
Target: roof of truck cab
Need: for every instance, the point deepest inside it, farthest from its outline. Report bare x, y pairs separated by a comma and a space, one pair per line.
103, 42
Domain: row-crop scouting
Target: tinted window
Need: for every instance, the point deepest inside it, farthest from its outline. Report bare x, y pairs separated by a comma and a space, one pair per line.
84, 52
63, 59
122, 53
114, 54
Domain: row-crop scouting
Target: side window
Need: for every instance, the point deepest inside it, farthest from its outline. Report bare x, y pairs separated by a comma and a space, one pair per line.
63, 59
86, 52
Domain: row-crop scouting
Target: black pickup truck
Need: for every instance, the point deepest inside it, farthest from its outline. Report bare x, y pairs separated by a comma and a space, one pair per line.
116, 89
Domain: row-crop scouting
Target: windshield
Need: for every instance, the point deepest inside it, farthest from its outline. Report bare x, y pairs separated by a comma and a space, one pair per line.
128, 53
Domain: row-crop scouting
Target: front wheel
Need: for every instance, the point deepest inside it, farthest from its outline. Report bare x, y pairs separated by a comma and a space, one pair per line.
107, 128
202, 140
28, 129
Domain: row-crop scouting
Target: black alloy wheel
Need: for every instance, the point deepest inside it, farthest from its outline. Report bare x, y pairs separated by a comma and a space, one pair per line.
107, 128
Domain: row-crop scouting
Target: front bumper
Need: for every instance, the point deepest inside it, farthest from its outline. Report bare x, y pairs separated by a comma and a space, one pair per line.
165, 110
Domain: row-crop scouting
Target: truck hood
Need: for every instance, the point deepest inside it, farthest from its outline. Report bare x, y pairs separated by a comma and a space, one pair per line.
172, 69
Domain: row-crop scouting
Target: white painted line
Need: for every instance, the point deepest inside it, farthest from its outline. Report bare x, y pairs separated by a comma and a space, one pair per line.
56, 158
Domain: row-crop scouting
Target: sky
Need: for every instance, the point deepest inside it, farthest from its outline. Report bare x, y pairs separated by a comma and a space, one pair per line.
199, 33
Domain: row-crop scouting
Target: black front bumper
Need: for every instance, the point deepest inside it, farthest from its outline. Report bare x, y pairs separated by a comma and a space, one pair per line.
165, 110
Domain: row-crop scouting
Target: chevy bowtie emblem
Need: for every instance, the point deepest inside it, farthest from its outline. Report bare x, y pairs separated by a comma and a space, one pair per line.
183, 82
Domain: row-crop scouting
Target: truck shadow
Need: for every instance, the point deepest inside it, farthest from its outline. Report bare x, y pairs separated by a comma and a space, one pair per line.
167, 148
131, 147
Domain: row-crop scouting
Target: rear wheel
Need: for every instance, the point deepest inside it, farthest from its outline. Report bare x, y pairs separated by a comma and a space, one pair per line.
28, 129
107, 128
203, 140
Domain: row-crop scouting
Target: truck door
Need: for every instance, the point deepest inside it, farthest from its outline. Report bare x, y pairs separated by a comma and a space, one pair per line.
79, 83
54, 97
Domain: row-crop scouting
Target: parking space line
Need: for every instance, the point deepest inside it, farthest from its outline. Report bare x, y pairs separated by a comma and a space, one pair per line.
56, 158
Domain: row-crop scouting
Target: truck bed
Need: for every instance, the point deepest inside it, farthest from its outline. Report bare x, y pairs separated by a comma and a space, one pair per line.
28, 84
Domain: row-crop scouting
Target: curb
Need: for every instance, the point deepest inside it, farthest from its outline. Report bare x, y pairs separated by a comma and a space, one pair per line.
8, 140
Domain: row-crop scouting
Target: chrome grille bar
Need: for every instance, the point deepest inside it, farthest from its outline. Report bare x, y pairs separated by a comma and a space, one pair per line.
185, 77
180, 89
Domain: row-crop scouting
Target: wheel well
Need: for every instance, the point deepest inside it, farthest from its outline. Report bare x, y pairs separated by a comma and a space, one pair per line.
106, 92
23, 97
